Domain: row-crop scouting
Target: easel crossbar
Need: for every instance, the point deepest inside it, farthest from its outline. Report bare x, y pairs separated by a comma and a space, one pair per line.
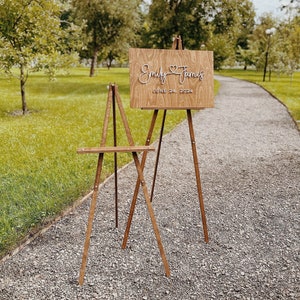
115, 149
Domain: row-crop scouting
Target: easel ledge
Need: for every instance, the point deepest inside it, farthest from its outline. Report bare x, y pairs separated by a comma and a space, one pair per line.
115, 149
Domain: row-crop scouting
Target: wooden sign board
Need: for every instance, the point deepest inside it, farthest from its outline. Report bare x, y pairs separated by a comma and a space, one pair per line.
171, 79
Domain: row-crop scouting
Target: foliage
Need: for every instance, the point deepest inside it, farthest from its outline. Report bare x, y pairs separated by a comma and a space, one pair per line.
40, 177
222, 47
282, 46
110, 27
232, 24
31, 38
287, 50
187, 18
258, 41
214, 25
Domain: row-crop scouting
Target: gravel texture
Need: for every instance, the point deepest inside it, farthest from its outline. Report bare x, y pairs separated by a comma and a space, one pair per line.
249, 156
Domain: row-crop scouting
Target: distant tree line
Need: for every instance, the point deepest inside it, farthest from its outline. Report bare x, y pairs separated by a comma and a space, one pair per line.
50, 35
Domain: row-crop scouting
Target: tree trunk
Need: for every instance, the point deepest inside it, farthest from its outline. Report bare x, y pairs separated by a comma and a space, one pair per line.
109, 61
22, 86
93, 63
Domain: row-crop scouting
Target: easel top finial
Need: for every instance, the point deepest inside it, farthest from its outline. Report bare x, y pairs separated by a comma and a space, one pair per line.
177, 43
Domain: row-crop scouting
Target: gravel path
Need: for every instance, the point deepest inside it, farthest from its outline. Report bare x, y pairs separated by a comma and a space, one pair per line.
249, 154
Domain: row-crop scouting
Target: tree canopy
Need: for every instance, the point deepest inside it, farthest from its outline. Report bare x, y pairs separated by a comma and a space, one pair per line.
110, 26
220, 26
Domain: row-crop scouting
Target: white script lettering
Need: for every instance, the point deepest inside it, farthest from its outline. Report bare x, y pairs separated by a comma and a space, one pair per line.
181, 71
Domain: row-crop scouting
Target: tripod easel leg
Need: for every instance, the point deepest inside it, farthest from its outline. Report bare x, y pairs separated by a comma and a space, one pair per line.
142, 182
115, 154
138, 182
90, 219
112, 96
151, 213
197, 172
158, 153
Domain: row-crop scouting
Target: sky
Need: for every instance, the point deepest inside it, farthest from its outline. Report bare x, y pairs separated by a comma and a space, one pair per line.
273, 6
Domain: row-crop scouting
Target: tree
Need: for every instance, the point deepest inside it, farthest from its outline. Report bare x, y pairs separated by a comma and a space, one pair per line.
232, 24
264, 45
275, 44
215, 25
288, 45
108, 23
167, 19
116, 52
247, 56
30, 38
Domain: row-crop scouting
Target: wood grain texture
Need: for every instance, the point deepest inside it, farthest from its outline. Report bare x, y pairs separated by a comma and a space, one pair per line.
171, 79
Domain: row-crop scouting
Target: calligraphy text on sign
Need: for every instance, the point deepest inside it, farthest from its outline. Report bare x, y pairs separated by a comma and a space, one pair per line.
171, 79
181, 71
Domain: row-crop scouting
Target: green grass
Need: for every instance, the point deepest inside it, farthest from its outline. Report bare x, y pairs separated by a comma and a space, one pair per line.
40, 172
284, 88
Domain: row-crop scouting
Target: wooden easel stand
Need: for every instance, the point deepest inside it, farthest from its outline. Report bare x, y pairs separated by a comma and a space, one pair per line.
113, 96
177, 45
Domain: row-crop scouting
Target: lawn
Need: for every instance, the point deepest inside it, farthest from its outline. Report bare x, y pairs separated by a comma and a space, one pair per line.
283, 87
40, 172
